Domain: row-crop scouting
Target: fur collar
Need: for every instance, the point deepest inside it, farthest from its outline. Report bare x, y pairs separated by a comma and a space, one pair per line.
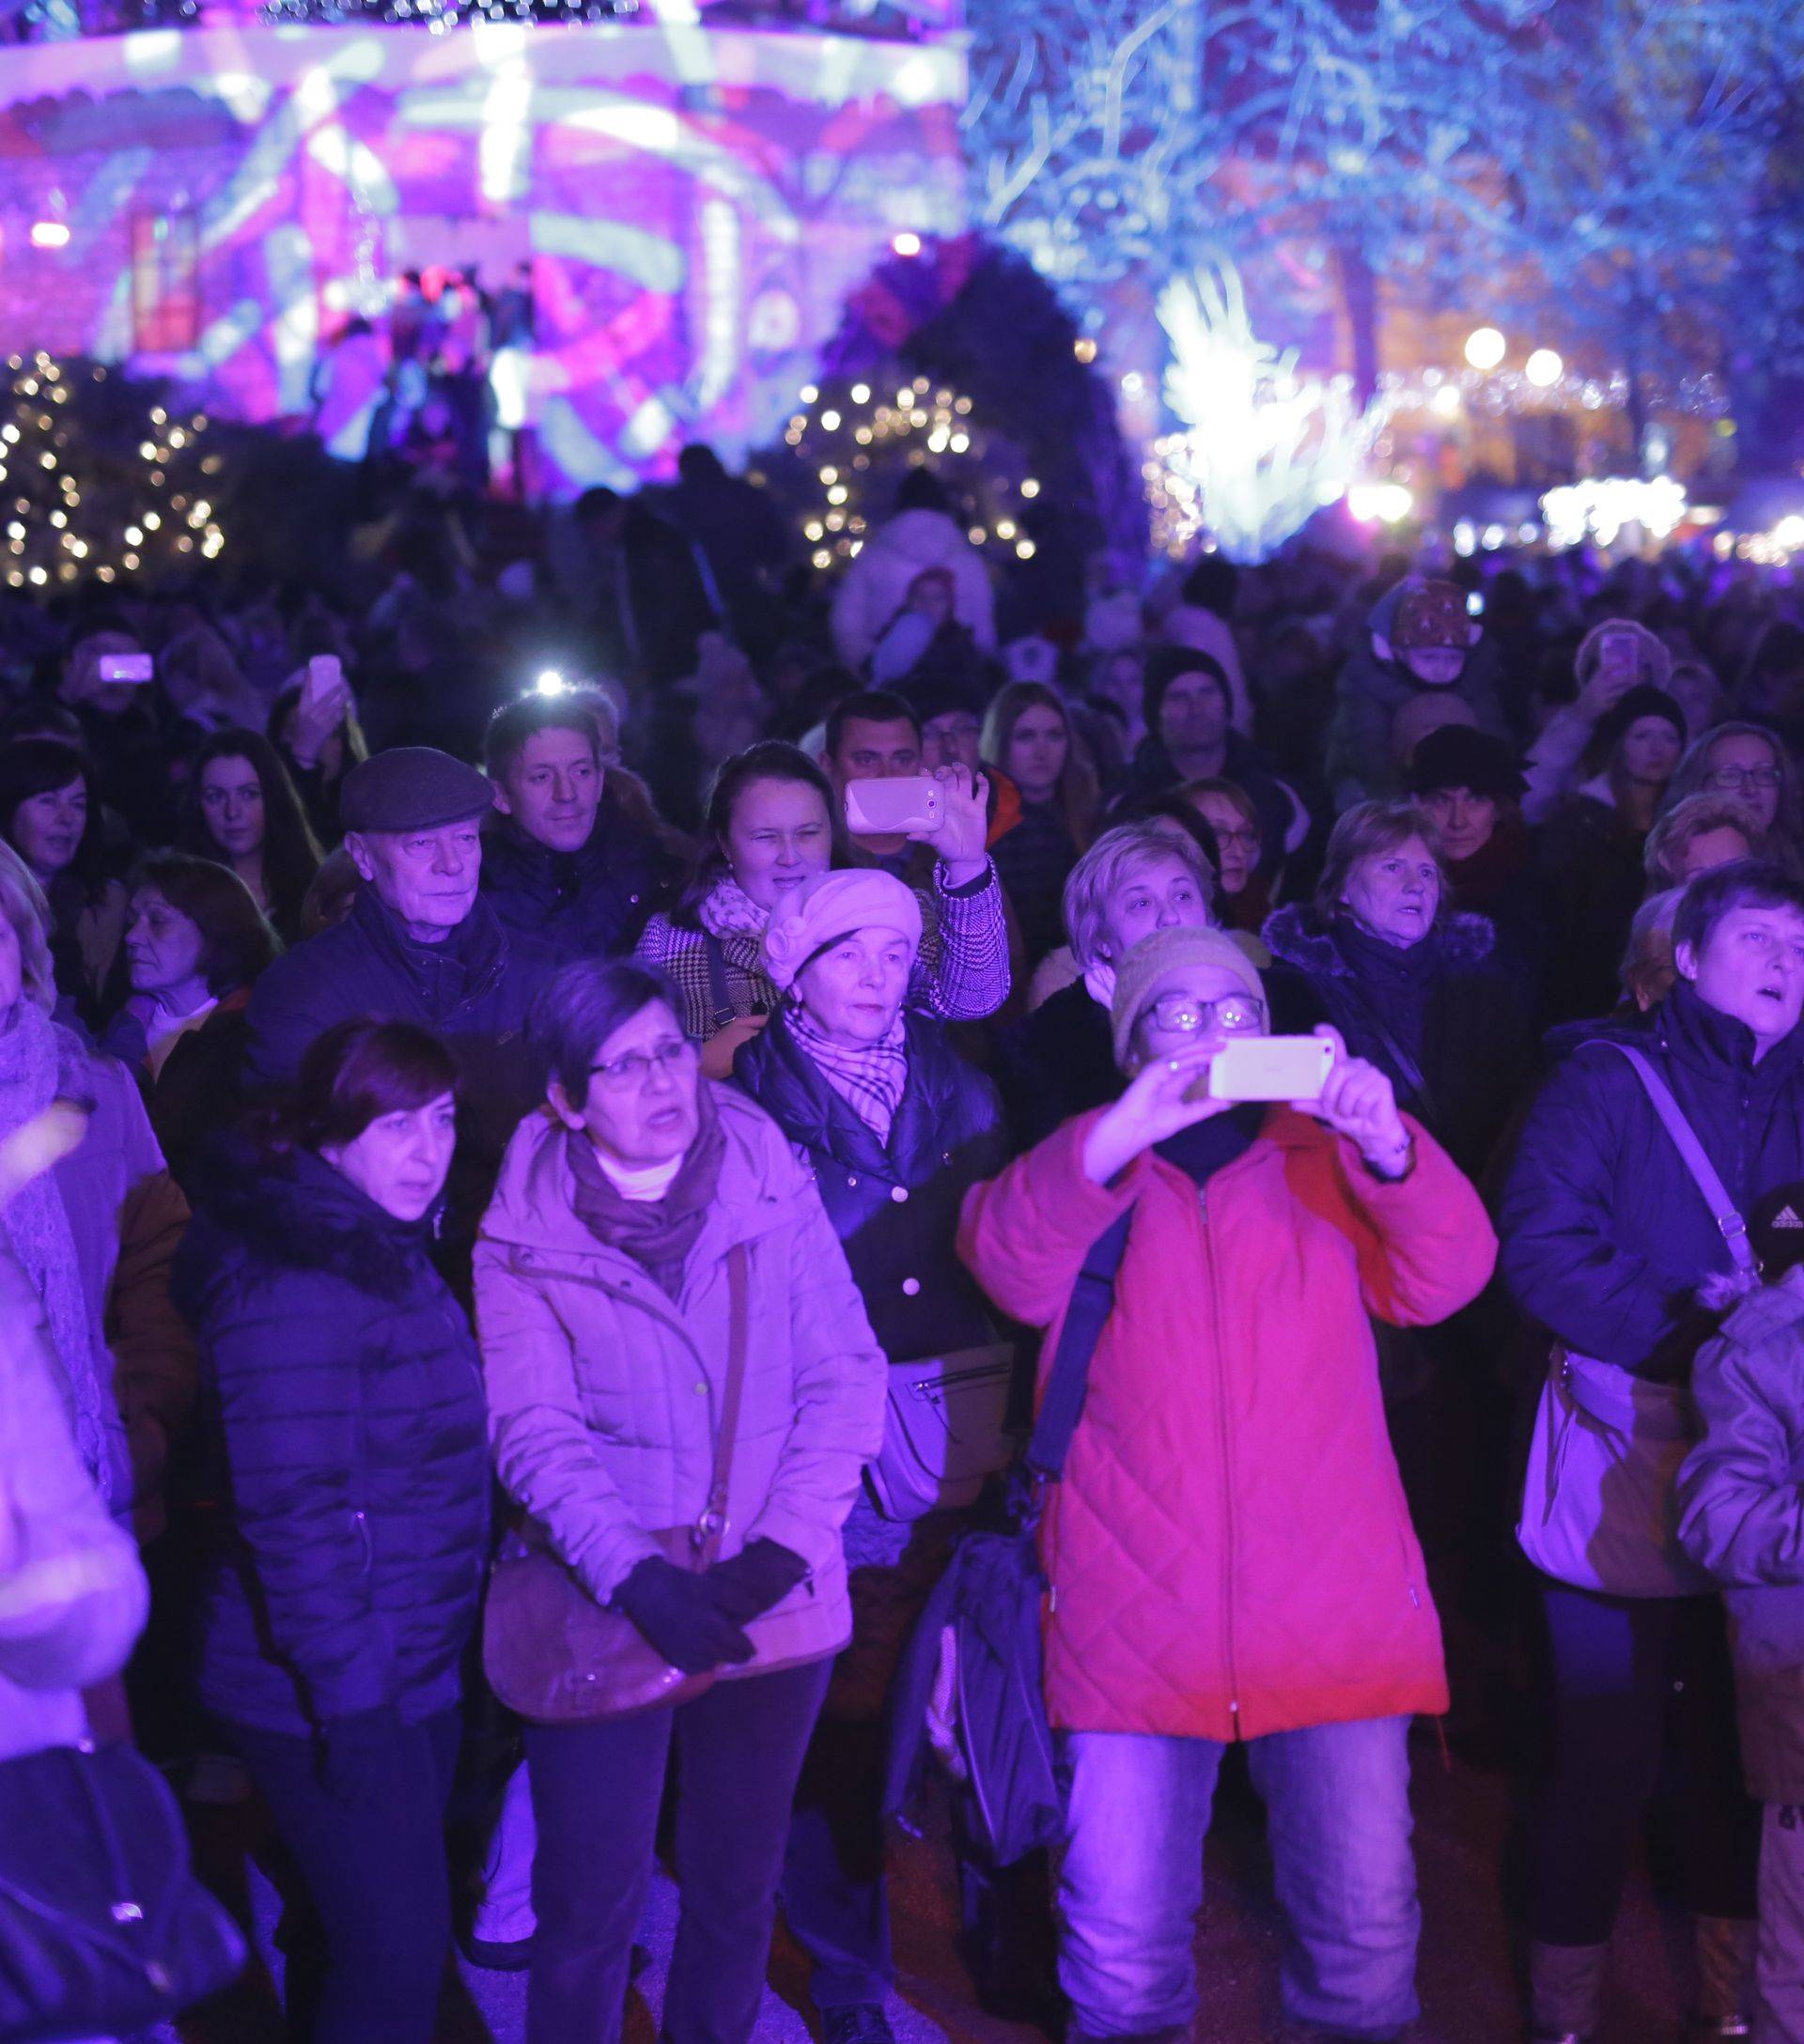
1295, 935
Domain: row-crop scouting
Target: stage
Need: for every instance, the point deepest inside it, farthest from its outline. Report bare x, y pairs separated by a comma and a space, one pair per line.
695, 203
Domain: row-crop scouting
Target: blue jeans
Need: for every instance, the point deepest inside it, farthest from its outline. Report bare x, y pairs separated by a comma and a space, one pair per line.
1337, 1812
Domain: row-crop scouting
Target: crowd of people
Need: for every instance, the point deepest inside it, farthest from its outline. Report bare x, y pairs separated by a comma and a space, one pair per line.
532, 1213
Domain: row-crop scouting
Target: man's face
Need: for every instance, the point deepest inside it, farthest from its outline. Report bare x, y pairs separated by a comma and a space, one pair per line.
1752, 968
427, 879
873, 749
951, 740
1193, 715
552, 789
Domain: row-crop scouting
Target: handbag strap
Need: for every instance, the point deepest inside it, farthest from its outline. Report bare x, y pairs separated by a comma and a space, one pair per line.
1685, 1140
718, 994
706, 1534
1093, 1299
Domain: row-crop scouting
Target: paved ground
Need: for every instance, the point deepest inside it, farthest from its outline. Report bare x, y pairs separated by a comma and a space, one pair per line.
1467, 1990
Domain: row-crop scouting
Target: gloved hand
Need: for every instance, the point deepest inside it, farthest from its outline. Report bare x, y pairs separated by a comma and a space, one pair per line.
677, 1615
761, 1575
360, 1754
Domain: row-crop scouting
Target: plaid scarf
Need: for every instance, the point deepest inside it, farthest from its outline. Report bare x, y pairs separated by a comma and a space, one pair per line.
870, 1081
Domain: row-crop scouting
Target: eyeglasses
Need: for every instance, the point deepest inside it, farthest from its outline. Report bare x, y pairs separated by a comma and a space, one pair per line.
1240, 1015
1245, 837
627, 1074
1726, 778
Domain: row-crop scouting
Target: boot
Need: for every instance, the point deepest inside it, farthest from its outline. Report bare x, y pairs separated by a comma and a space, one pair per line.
1725, 1956
1565, 1991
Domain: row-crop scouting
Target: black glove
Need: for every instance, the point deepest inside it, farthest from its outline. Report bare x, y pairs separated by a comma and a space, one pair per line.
761, 1575
360, 1754
676, 1613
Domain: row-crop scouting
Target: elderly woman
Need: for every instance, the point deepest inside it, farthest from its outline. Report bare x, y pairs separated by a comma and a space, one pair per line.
1698, 832
895, 1126
637, 1222
97, 1233
1135, 878
1410, 982
194, 946
772, 823
1229, 1548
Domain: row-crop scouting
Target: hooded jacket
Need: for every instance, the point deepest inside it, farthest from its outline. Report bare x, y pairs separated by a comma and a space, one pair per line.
1368, 694
875, 585
343, 1412
605, 1393
1229, 1552
1607, 1239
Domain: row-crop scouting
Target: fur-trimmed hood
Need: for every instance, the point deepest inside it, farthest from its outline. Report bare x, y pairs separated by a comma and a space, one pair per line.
1296, 936
295, 1213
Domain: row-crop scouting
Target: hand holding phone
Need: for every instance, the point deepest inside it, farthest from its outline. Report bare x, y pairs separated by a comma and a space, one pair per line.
135, 668
898, 807
1291, 1068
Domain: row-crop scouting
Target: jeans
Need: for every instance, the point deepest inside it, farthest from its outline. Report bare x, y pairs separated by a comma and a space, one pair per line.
1640, 1685
1337, 1811
595, 1794
1779, 1969
376, 1874
835, 1898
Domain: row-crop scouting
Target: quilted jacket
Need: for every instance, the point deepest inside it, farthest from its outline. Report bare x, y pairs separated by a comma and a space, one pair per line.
1229, 1552
603, 1392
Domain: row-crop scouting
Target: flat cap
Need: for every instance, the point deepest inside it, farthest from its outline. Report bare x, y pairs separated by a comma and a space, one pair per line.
412, 787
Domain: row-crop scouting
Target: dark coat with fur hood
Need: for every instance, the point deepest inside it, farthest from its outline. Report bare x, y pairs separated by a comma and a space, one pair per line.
343, 1401
1444, 1018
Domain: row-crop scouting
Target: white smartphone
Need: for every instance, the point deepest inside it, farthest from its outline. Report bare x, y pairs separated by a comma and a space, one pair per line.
132, 667
888, 808
1619, 648
1271, 1068
325, 679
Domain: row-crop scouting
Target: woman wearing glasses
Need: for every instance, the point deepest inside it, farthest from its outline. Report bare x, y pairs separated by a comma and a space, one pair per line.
1229, 1552
604, 1275
1747, 764
1243, 894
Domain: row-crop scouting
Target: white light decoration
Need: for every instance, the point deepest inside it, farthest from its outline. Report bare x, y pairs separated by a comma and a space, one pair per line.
1485, 347
1265, 447
1379, 503
49, 234
1543, 369
1600, 509
907, 245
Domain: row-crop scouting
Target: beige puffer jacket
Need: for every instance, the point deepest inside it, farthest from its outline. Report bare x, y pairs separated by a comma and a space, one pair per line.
603, 1393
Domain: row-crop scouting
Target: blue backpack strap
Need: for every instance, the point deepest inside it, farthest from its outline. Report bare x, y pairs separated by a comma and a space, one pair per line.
1716, 1194
1093, 1299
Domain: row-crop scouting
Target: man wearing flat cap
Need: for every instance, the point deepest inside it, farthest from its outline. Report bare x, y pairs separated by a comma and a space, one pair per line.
420, 945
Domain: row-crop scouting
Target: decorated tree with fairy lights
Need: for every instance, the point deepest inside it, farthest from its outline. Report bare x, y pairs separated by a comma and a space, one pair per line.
100, 478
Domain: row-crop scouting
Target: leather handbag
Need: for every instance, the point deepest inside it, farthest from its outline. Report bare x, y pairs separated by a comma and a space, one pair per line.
554, 1655
946, 1432
103, 1928
1599, 1508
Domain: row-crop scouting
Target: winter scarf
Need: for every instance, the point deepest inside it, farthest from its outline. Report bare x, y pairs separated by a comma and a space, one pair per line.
870, 1079
40, 1063
657, 1233
727, 910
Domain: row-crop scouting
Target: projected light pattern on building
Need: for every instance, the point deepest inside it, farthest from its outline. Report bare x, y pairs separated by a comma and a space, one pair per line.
694, 205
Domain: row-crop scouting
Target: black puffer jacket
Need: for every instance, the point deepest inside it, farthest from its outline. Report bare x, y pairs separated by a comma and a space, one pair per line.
1448, 1023
1606, 1239
591, 904
893, 1206
1058, 1060
344, 1404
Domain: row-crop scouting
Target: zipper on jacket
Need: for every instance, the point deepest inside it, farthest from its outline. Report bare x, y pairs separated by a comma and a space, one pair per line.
1227, 1474
364, 1541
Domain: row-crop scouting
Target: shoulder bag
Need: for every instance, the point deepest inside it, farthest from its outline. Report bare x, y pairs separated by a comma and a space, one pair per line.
1598, 1507
552, 1653
103, 1927
946, 1430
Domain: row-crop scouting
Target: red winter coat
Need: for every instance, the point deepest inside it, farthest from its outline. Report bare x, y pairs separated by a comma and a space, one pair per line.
1229, 1551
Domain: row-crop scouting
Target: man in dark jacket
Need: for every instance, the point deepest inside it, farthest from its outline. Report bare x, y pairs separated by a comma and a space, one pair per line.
561, 861
420, 945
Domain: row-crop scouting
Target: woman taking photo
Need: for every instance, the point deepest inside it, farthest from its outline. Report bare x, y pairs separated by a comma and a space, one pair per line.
773, 824
346, 1414
895, 1126
1028, 739
51, 817
241, 809
194, 948
637, 1221
1216, 1448
318, 742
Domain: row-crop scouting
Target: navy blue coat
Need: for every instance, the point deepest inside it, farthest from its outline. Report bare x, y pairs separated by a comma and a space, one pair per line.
343, 1408
893, 1206
591, 904
1606, 1238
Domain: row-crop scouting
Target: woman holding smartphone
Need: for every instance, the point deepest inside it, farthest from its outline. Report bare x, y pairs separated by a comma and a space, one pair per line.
1229, 1550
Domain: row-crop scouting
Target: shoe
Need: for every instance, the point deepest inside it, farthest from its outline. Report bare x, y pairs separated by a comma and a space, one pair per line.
1710, 2029
493, 1958
858, 2022
1565, 1991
